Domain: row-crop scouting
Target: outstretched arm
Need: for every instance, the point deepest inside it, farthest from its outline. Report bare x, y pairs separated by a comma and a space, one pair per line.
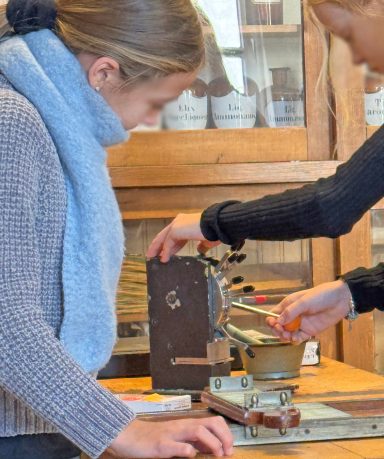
328, 207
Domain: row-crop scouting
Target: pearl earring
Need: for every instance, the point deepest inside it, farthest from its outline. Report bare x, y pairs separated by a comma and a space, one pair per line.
97, 89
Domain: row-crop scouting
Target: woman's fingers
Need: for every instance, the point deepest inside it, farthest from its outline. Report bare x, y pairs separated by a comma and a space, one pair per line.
300, 336
209, 434
156, 245
221, 430
204, 246
184, 228
293, 310
170, 247
176, 449
288, 300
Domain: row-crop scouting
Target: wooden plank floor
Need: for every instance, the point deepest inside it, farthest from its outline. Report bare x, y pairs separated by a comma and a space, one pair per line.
330, 381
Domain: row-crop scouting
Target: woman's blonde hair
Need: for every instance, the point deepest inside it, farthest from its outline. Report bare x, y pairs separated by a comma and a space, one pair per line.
351, 5
365, 7
148, 38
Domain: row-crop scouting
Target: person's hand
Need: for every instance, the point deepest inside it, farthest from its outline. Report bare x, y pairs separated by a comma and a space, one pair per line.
184, 228
181, 438
319, 308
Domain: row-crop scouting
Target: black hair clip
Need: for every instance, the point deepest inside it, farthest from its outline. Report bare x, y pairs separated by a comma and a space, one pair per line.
30, 15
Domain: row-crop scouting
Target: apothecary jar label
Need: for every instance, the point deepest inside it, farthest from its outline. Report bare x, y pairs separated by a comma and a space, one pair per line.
187, 112
234, 111
285, 113
374, 108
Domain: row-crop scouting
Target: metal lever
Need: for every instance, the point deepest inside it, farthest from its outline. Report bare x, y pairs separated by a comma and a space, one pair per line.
261, 299
232, 261
232, 252
235, 281
237, 247
291, 326
245, 346
229, 255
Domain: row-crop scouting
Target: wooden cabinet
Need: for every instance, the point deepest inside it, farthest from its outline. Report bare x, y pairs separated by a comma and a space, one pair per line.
157, 175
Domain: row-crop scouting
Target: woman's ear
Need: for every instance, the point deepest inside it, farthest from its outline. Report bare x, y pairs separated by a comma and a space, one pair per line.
103, 71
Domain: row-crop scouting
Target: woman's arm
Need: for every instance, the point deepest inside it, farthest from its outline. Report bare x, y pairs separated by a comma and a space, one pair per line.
366, 287
325, 305
328, 207
35, 368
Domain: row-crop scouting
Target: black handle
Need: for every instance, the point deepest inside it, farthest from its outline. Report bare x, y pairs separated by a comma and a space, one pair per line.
248, 289
241, 258
211, 260
233, 258
237, 280
249, 352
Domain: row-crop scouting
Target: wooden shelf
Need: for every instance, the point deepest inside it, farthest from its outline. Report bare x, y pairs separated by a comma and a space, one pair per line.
277, 29
210, 146
221, 174
132, 317
268, 30
153, 214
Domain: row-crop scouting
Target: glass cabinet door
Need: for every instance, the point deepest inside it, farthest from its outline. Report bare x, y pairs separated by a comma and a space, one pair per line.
253, 76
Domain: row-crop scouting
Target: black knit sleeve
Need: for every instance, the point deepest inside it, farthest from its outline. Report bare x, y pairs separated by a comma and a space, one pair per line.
367, 287
329, 207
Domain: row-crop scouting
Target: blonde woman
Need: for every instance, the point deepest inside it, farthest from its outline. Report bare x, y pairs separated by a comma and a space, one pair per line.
329, 207
74, 76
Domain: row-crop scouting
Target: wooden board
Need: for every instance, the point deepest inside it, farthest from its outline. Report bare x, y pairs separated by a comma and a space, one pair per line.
221, 174
210, 146
167, 202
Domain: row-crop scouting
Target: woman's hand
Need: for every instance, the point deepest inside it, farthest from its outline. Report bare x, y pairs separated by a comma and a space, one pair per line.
184, 228
319, 308
181, 438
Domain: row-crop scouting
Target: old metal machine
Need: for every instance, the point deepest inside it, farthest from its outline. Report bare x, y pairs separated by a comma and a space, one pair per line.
189, 304
190, 300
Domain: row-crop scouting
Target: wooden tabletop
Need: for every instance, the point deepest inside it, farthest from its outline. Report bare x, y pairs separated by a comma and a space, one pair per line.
329, 381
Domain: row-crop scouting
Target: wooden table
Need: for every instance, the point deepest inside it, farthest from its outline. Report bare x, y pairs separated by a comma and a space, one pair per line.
330, 381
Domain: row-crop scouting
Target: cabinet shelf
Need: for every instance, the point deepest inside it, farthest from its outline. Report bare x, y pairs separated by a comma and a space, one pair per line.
269, 30
221, 174
211, 146
128, 317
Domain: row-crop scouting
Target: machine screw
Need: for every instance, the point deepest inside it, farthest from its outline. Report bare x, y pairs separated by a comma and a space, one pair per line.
254, 432
284, 398
254, 401
244, 382
218, 383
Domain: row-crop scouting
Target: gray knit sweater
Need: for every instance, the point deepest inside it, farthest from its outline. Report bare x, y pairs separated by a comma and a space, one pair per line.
41, 388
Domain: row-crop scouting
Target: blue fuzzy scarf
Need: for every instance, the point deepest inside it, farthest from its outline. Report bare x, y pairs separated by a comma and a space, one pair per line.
80, 123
